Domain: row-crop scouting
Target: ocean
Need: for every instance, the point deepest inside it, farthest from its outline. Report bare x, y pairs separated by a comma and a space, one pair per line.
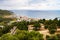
47, 14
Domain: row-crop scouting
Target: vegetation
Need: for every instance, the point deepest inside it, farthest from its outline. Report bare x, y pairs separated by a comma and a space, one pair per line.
37, 26
5, 12
52, 28
8, 37
23, 35
21, 31
53, 37
3, 19
58, 24
46, 26
21, 25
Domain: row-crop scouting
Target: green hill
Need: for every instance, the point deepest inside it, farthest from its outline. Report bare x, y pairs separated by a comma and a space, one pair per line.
5, 12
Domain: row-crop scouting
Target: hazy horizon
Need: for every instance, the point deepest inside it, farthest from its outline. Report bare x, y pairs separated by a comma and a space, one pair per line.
47, 14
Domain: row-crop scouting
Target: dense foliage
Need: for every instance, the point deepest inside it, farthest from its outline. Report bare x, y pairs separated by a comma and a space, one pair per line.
21, 25
52, 28
53, 37
36, 26
23, 35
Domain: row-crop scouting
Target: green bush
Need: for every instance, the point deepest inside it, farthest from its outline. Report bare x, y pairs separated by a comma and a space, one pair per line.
35, 36
46, 26
51, 37
6, 29
25, 35
21, 25
52, 28
58, 35
8, 37
36, 26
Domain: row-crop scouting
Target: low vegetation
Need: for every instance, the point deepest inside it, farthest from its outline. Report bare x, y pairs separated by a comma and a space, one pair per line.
22, 32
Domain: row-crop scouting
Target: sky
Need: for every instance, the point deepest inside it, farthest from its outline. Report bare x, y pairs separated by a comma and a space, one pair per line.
30, 4
33, 8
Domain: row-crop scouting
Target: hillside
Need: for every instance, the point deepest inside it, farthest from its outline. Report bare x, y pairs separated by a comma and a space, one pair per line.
5, 12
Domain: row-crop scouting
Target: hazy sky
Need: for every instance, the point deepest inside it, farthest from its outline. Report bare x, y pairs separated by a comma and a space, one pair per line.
30, 4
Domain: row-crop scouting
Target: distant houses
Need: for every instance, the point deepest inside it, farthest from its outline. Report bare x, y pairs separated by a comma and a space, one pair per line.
21, 18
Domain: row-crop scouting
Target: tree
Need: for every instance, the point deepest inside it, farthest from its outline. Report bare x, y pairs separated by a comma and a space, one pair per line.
21, 25
58, 24
58, 35
41, 21
55, 20
25, 35
47, 37
46, 26
44, 21
22, 34
8, 37
51, 37
6, 29
1, 32
37, 26
35, 36
52, 28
